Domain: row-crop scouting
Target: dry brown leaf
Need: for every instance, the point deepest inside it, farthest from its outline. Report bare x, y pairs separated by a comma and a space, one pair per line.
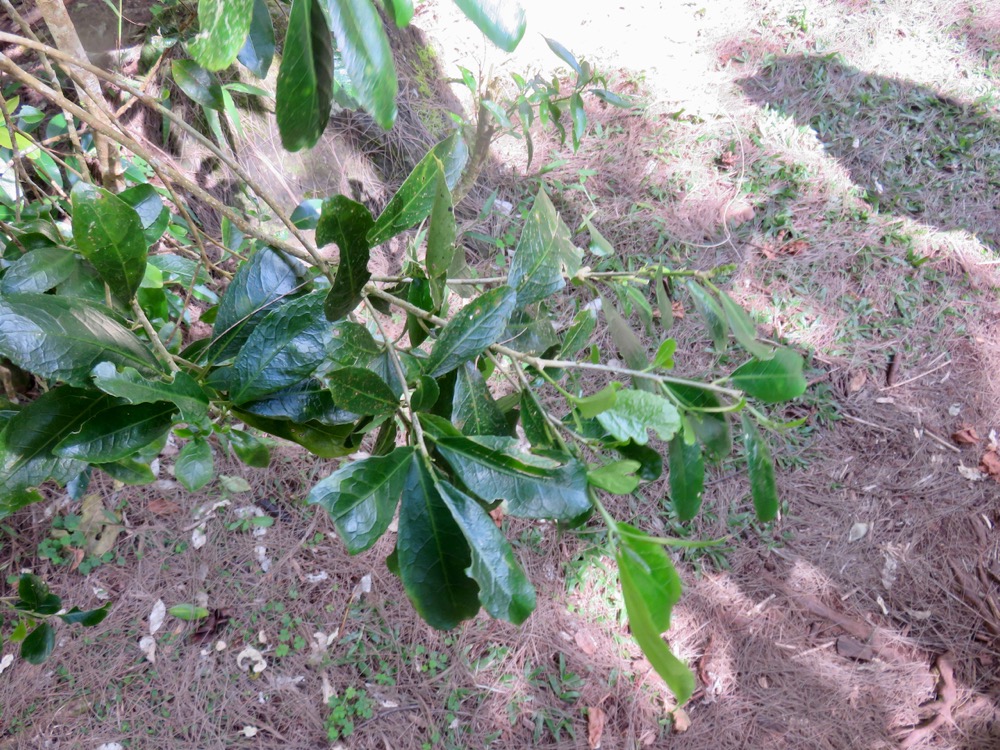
965, 436
990, 464
595, 726
585, 642
99, 526
648, 738
162, 507
78, 555
682, 722
678, 309
857, 381
497, 515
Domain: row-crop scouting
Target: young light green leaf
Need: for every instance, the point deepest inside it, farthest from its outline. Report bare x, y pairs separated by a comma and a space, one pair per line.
474, 411
650, 588
592, 405
544, 254
305, 79
108, 233
636, 412
432, 554
563, 54
772, 380
60, 338
743, 328
715, 319
761, 469
39, 271
362, 391
195, 465
250, 450
473, 328
222, 28
663, 302
664, 358
401, 11
711, 427
200, 86
88, 618
504, 589
502, 21
618, 477
579, 117
578, 335
188, 612
629, 345
136, 388
117, 432
346, 223
364, 48
258, 50
35, 649
687, 477
441, 234
414, 200
361, 497
599, 245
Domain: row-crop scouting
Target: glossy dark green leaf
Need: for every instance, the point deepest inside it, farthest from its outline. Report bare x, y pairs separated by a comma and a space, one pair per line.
761, 469
325, 441
361, 496
305, 79
474, 411
35, 649
537, 429
195, 465
650, 588
147, 203
503, 23
308, 401
471, 331
261, 284
364, 48
362, 391
401, 11
441, 233
544, 254
530, 333
222, 29
432, 554
33, 594
306, 214
687, 477
650, 461
287, 346
108, 233
419, 293
130, 471
578, 335
258, 50
200, 86
26, 443
249, 449
39, 271
130, 385
636, 412
710, 310
772, 380
87, 617
504, 589
352, 345
346, 223
743, 327
117, 432
712, 428
413, 202
618, 478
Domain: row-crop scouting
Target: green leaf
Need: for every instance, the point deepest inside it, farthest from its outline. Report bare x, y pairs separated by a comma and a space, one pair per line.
618, 478
149, 206
420, 293
530, 334
195, 466
250, 450
579, 115
39, 644
258, 50
544, 254
772, 380
306, 214
26, 443
87, 617
188, 612
108, 233
743, 328
592, 405
286, 347
414, 200
599, 244
346, 223
712, 428
650, 461
664, 358
555, 490
432, 553
441, 234
362, 43
504, 590
471, 331
563, 54
131, 471
663, 301
361, 497
578, 335
305, 79
650, 588
325, 441
199, 85
474, 411
307, 401
352, 345
129, 384
39, 271
222, 28
401, 11
687, 477
628, 344
362, 391
761, 469
537, 429
33, 594
260, 285
117, 432
635, 412
715, 319
502, 22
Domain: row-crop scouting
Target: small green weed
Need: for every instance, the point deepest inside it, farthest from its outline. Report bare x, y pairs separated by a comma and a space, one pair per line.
345, 710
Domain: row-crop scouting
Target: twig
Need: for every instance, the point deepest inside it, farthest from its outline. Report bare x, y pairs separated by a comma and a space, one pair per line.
947, 695
940, 440
916, 377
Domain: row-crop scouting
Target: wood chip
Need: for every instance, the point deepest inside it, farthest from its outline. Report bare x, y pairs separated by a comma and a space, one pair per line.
852, 648
595, 726
965, 436
585, 642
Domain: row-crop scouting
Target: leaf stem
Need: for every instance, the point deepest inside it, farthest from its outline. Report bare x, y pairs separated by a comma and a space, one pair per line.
154, 338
